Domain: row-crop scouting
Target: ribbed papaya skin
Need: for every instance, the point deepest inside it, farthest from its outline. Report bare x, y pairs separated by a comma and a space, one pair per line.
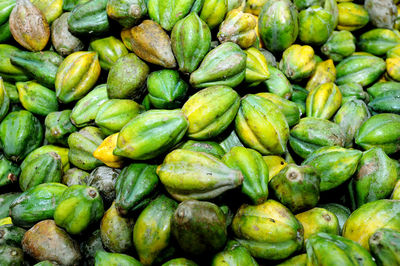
109, 49
323, 101
168, 12
127, 12
385, 246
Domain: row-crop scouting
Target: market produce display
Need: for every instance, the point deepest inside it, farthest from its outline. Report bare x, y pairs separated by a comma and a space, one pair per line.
200, 132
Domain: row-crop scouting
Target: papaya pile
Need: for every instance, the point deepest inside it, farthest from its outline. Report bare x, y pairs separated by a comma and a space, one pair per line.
200, 132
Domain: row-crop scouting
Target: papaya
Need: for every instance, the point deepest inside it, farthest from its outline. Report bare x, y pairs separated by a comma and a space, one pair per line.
11, 235
9, 171
385, 246
299, 97
256, 67
8, 71
209, 147
180, 262
340, 211
68, 5
378, 41
298, 62
103, 258
275, 165
128, 12
167, 13
379, 89
90, 246
382, 13
323, 101
190, 41
58, 127
10, 255
213, 12
223, 65
230, 141
62, 152
316, 24
352, 16
74, 176
63, 41
103, 178
109, 50
353, 91
6, 200
135, 187
36, 98
385, 104
136, 142
317, 220
79, 207
396, 192
12, 93
50, 9
278, 84
325, 72
339, 45
234, 254
6, 8
104, 152
299, 260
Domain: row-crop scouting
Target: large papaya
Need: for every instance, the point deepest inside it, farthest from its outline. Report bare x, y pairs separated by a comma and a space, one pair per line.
62, 152
8, 71
353, 91
63, 41
323, 101
128, 12
315, 25
339, 45
210, 147
340, 211
325, 72
213, 12
318, 220
352, 16
37, 98
167, 13
298, 62
378, 41
256, 67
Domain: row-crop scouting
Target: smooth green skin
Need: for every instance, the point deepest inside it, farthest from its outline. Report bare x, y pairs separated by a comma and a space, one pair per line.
385, 246
36, 204
152, 231
20, 133
209, 147
378, 41
224, 65
260, 125
109, 49
166, 89
352, 90
79, 207
341, 251
9, 172
103, 258
74, 176
5, 33
45, 168
6, 6
41, 66
269, 230
168, 12
150, 134
63, 152
313, 133
11, 256
116, 231
186, 175
114, 114
234, 254
8, 71
199, 227
11, 235
210, 111
362, 69
288, 108
278, 83
389, 88
382, 130
82, 144
90, 246
135, 187
315, 25
278, 25
334, 165
86, 109
299, 260
37, 98
58, 127
68, 5
364, 221
213, 12
339, 45
5, 202
385, 104
180, 262
341, 212
297, 187
254, 170
12, 92
127, 78
103, 178
190, 41
128, 13
376, 177
89, 19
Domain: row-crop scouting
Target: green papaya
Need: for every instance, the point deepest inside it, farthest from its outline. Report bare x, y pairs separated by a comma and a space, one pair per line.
41, 66
103, 178
5, 202
82, 144
299, 97
316, 25
342, 251
68, 5
385, 246
213, 12
50, 9
45, 168
299, 260
191, 41
352, 16
127, 13
341, 212
135, 187
168, 12
5, 33
192, 179
109, 50
58, 127
152, 231
180, 261
339, 45
104, 258
8, 71
222, 105
116, 231
269, 230
379, 89
114, 114
199, 227
11, 235
382, 131
11, 91
352, 90
6, 7
79, 206
323, 101
74, 176
360, 68
261, 125
89, 18
86, 109
278, 84
318, 220
166, 89
223, 65
9, 171
230, 141
131, 86
20, 133
44, 263
313, 133
254, 170
385, 104
334, 165
10, 255
378, 41
256, 67
37, 98
136, 142
277, 33
234, 254
209, 147
298, 62
297, 187
63, 152
36, 204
